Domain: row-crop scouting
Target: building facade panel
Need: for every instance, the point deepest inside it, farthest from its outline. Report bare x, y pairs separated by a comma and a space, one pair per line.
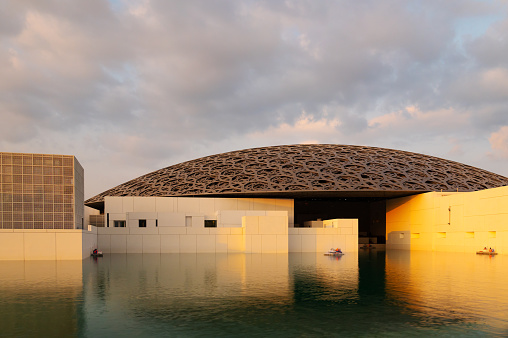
39, 191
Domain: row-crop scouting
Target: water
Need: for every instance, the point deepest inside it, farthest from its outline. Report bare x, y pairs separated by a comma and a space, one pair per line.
372, 294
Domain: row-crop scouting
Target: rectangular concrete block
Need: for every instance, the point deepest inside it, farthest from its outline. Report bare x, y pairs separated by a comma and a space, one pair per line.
207, 206
219, 231
221, 243
323, 243
187, 205
294, 243
173, 230
236, 231
273, 225
164, 204
11, 246
116, 217
188, 244
231, 217
135, 243
118, 244
205, 243
244, 204
169, 219
144, 204
104, 243
346, 231
256, 243
68, 246
321, 231
264, 204
170, 243
198, 222
236, 243
268, 243
144, 231
226, 204
113, 204
308, 243
198, 231
255, 212
127, 204
248, 243
140, 215
282, 244
151, 244
112, 231
293, 231
40, 246
250, 224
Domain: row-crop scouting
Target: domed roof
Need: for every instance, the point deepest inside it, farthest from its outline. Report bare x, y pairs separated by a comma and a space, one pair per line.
308, 170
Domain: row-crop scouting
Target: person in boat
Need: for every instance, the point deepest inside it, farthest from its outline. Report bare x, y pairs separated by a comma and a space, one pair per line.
95, 251
338, 250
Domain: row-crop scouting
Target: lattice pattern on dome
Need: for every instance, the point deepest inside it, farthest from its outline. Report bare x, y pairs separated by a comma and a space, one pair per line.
308, 168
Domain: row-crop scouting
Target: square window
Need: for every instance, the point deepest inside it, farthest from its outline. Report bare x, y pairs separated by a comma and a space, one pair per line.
142, 223
119, 224
210, 223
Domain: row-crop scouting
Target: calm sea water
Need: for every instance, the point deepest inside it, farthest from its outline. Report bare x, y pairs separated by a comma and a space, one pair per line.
373, 294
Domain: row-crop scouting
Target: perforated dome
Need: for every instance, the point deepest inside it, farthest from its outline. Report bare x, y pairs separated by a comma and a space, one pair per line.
310, 170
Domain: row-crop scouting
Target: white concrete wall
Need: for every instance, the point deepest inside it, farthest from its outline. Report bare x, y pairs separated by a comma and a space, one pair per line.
220, 209
266, 234
47, 244
243, 225
171, 240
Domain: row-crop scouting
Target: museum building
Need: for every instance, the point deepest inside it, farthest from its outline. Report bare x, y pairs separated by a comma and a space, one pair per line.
279, 199
41, 208
304, 198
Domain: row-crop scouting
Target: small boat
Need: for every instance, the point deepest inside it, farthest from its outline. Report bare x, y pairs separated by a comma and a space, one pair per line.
96, 254
334, 253
483, 252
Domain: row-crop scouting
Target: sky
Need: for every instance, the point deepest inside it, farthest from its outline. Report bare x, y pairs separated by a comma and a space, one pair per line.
130, 87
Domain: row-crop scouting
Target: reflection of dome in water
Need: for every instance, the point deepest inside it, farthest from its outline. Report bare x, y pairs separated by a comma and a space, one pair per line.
308, 170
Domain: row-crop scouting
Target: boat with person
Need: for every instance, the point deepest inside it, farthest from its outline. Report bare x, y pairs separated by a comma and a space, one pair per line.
334, 252
96, 253
486, 251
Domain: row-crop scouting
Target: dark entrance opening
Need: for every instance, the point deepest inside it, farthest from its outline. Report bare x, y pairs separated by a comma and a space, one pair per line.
370, 212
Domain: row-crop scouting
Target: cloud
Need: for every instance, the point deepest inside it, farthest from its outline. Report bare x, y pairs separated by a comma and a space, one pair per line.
499, 141
163, 81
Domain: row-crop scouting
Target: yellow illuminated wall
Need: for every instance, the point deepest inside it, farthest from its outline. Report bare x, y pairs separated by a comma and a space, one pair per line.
455, 222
